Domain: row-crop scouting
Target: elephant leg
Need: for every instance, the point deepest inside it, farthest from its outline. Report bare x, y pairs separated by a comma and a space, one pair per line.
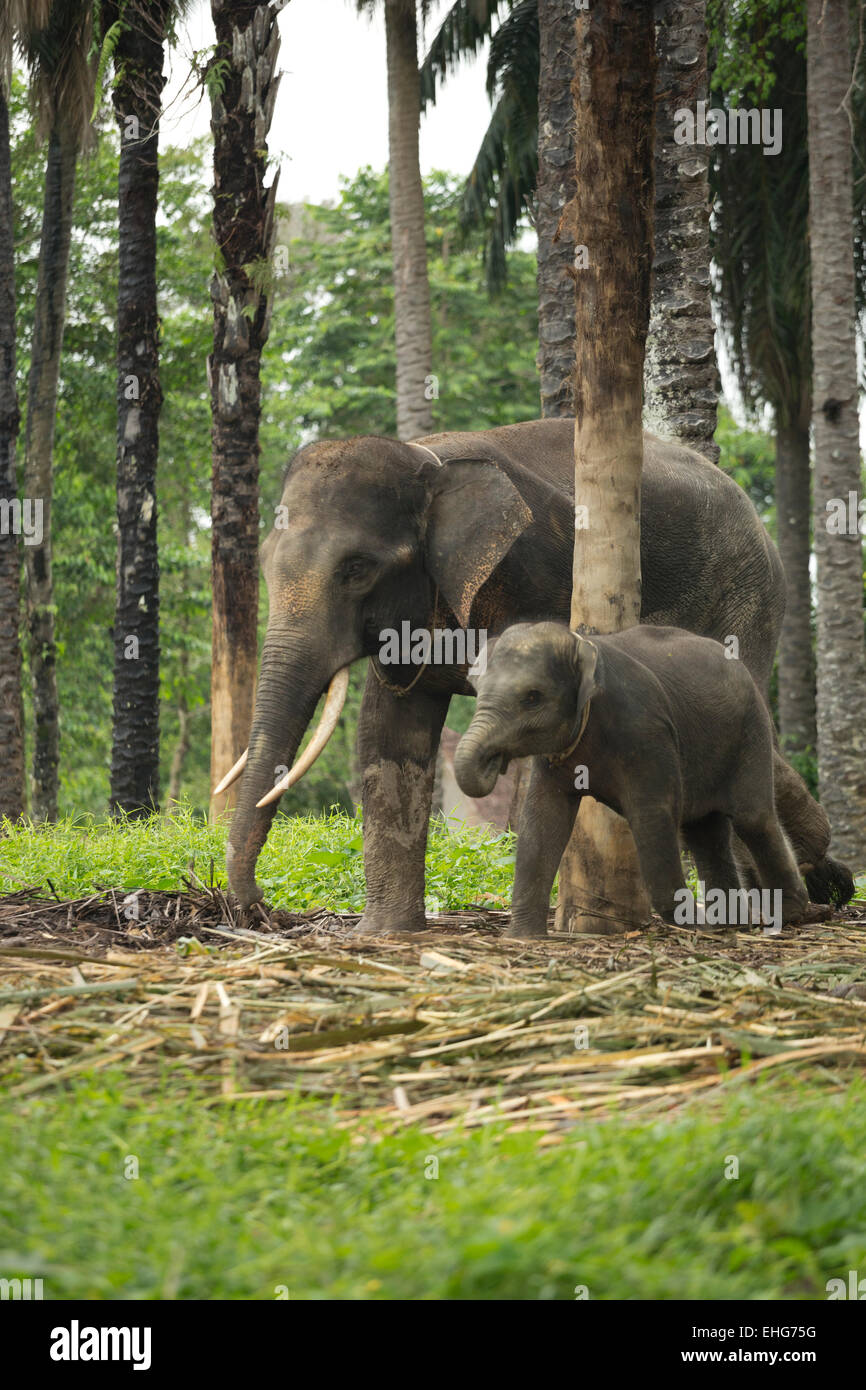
774, 859
546, 822
710, 843
656, 834
398, 740
808, 829
746, 866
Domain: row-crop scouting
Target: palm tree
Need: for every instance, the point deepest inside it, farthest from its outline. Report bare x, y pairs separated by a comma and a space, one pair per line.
838, 548
412, 317
611, 212
761, 246
681, 374
62, 79
526, 165
243, 85
138, 31
12, 797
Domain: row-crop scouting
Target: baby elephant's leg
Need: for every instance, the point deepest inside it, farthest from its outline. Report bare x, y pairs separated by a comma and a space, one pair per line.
546, 822
774, 859
656, 834
710, 842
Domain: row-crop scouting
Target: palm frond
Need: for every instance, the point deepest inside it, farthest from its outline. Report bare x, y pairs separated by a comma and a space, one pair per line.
462, 32
501, 184
761, 250
16, 17
60, 60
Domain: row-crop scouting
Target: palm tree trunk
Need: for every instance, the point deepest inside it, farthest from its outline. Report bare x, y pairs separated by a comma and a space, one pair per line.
48, 327
556, 41
135, 742
412, 323
611, 212
796, 657
11, 713
243, 217
839, 553
555, 187
681, 376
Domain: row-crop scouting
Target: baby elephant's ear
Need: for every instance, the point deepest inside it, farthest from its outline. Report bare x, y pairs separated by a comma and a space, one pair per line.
475, 517
585, 661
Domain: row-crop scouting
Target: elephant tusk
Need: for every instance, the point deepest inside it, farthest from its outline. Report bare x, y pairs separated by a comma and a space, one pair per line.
336, 698
234, 774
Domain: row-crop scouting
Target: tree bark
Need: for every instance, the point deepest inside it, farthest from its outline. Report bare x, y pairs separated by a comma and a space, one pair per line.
681, 376
841, 659
137, 96
412, 320
611, 214
555, 361
47, 344
796, 656
242, 103
11, 711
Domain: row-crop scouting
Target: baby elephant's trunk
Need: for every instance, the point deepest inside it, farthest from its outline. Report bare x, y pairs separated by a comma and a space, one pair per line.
477, 761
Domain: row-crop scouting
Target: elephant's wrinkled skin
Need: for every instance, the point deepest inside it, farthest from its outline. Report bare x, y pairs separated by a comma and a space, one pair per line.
375, 528
676, 737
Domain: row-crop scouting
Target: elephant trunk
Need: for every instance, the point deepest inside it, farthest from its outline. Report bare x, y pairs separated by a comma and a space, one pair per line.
290, 684
479, 758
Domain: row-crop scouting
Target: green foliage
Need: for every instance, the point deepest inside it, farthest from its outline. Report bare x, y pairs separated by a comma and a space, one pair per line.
240, 1201
216, 76
106, 56
307, 862
744, 36
332, 333
749, 457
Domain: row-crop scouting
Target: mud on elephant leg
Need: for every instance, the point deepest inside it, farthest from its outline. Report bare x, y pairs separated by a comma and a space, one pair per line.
398, 740
808, 829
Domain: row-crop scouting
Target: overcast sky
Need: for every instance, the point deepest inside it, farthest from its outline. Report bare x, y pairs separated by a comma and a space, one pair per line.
331, 115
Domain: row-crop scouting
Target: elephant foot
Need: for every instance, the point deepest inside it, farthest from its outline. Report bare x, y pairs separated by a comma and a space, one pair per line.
247, 894
813, 912
519, 931
830, 881
377, 922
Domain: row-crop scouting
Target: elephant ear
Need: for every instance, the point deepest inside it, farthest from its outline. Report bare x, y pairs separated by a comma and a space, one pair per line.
584, 660
475, 516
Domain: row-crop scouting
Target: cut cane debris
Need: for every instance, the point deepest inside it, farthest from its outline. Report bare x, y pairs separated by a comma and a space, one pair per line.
458, 1028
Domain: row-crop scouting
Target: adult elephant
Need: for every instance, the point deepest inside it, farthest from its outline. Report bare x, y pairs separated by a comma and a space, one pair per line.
474, 529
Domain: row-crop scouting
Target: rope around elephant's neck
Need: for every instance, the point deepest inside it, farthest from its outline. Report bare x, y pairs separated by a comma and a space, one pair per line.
399, 691
559, 758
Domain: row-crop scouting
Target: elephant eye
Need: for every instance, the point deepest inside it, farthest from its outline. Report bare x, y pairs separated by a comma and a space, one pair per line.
356, 567
531, 699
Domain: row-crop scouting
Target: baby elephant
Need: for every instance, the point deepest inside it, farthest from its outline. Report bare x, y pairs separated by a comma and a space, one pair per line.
656, 723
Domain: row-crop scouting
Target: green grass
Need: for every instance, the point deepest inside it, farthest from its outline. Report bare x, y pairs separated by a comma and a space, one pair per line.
307, 862
235, 1202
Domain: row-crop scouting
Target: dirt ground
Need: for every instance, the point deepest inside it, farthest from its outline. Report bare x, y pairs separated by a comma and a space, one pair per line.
454, 1026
